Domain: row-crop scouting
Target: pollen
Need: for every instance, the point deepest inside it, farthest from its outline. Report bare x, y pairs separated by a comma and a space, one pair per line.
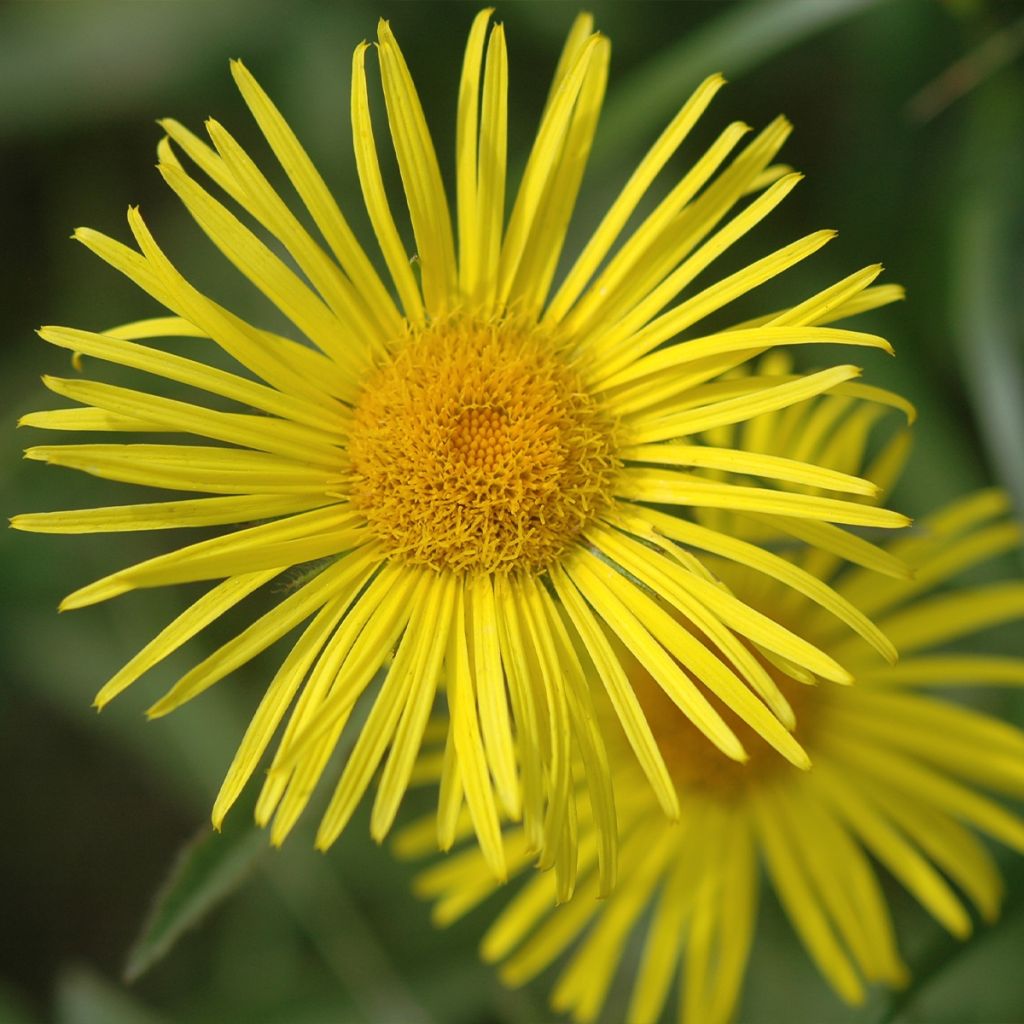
475, 448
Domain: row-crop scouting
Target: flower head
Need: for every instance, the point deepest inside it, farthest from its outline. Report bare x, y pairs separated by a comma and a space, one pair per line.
898, 777
466, 460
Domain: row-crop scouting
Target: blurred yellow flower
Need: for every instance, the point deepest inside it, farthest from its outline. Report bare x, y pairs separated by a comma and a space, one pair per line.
466, 460
897, 775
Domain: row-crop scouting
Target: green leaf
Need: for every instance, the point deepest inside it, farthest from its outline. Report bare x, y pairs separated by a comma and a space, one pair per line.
14, 1008
943, 956
733, 43
85, 998
346, 940
207, 870
985, 256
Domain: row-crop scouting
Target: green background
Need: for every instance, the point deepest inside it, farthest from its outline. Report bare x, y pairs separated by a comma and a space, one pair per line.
925, 177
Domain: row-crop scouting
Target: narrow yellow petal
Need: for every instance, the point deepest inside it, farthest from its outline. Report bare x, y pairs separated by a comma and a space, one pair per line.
385, 592
598, 584
614, 289
539, 167
737, 917
584, 984
446, 873
632, 193
530, 721
950, 616
699, 956
846, 545
759, 628
209, 161
386, 620
789, 877
659, 960
579, 33
265, 270
466, 150
354, 659
303, 778
918, 781
491, 695
691, 421
475, 881
344, 576
643, 339
952, 847
79, 420
378, 732
469, 747
829, 870
375, 196
408, 738
822, 307
754, 340
666, 487
260, 547
651, 571
450, 808
959, 740
952, 557
754, 557
170, 515
749, 463
492, 158
292, 440
317, 197
361, 321
591, 744
675, 227
301, 357
526, 911
542, 947
620, 692
891, 846
421, 176
211, 606
544, 667
691, 653
156, 275
543, 248
273, 705
948, 669
190, 468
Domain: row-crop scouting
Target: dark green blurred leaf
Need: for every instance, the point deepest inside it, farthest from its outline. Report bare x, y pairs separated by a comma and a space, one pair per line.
733, 43
346, 941
105, 60
985, 255
942, 957
208, 870
12, 1008
85, 998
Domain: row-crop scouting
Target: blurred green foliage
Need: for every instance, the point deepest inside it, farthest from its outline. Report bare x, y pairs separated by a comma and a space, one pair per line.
97, 808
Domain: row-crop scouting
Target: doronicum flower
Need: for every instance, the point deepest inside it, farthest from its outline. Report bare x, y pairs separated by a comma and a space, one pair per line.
465, 462
898, 779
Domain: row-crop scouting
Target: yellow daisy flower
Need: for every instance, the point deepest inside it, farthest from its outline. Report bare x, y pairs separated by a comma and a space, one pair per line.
897, 778
459, 451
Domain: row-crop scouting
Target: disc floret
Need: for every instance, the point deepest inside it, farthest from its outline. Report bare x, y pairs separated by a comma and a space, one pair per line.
476, 448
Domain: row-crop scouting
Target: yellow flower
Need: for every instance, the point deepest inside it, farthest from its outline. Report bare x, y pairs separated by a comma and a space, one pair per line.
464, 458
897, 775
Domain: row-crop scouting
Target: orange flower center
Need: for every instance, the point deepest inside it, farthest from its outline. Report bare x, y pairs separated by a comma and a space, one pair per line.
476, 448
694, 762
